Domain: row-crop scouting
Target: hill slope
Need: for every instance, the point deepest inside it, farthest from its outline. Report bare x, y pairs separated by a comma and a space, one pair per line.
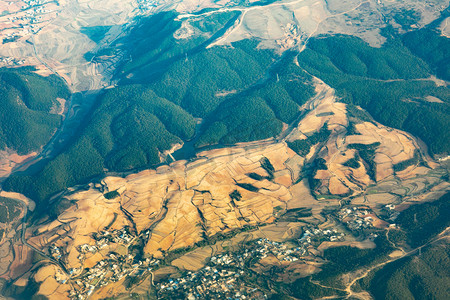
28, 114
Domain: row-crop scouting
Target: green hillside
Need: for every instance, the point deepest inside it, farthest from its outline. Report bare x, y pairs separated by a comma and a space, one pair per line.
127, 130
26, 118
258, 113
152, 45
424, 274
194, 83
418, 277
387, 82
432, 48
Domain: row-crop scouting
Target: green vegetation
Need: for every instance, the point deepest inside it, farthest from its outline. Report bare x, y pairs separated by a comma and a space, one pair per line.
346, 259
248, 187
23, 292
95, 33
352, 56
320, 164
352, 162
128, 129
200, 81
148, 41
111, 195
258, 113
381, 80
303, 288
9, 210
256, 176
246, 119
26, 118
351, 129
193, 82
421, 222
406, 18
325, 114
302, 147
432, 48
310, 171
424, 276
409, 162
267, 166
236, 196
152, 46
358, 114
293, 215
367, 154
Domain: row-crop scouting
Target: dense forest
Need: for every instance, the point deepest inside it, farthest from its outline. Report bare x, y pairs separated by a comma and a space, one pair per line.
421, 222
28, 106
195, 82
129, 129
388, 82
259, 112
159, 40
432, 48
425, 274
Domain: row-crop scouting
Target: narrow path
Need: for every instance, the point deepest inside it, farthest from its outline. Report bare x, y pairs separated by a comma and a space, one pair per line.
25, 242
392, 243
352, 294
330, 16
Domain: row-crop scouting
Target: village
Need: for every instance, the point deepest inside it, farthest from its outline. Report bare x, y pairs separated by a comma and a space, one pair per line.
24, 18
224, 277
356, 218
115, 266
147, 5
11, 61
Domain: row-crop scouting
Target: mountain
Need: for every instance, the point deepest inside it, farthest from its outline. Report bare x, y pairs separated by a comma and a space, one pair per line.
32, 109
259, 149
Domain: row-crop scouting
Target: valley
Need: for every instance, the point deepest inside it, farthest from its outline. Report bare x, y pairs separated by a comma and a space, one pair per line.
224, 149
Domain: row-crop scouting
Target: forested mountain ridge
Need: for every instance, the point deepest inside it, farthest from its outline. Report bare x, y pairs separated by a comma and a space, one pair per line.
29, 109
390, 82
